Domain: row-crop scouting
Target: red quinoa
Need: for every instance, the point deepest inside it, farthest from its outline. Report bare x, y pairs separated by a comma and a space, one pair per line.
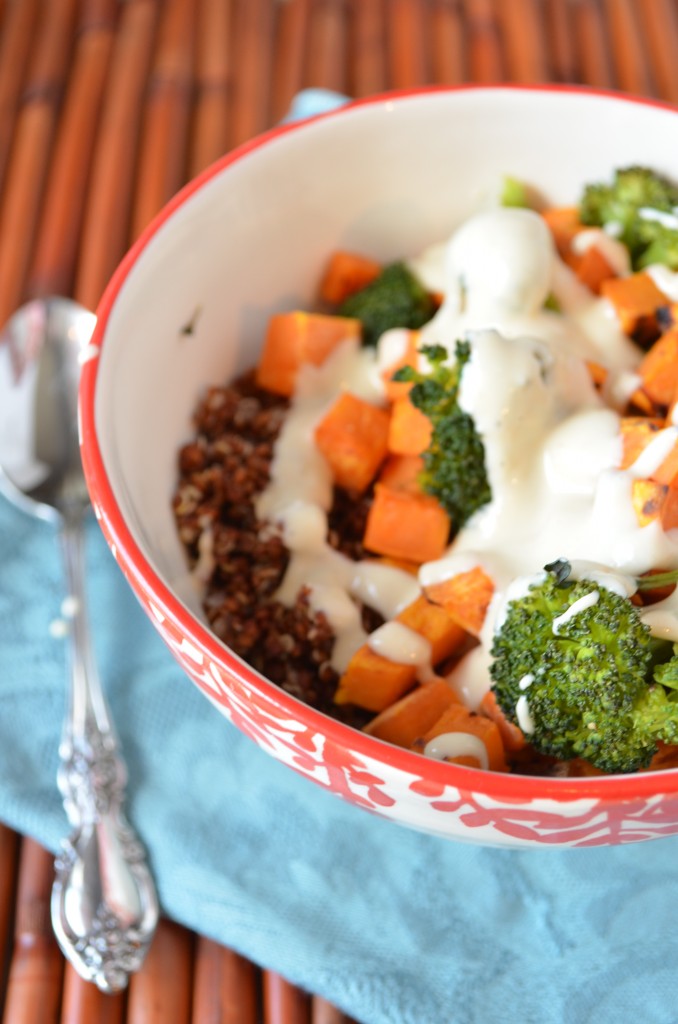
221, 473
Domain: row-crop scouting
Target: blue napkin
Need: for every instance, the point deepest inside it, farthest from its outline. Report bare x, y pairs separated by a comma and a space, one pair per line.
394, 926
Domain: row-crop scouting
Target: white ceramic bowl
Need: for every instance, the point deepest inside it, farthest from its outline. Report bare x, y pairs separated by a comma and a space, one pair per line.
385, 177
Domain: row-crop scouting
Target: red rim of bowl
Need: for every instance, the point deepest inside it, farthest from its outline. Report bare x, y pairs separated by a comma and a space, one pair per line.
501, 786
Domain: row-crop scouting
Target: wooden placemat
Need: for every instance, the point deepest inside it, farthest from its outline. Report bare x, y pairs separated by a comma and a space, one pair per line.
106, 108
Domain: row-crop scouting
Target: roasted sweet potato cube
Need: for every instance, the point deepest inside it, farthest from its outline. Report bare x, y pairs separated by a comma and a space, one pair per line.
648, 498
402, 472
353, 437
669, 507
409, 430
465, 597
636, 434
563, 223
659, 369
296, 338
404, 525
593, 269
433, 623
347, 273
636, 299
512, 738
458, 719
373, 682
413, 715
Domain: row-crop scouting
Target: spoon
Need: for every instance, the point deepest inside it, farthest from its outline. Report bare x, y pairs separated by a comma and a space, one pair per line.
104, 904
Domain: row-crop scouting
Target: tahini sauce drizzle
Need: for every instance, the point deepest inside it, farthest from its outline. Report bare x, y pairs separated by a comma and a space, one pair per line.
552, 445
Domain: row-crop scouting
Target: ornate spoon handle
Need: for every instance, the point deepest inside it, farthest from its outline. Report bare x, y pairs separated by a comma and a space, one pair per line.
104, 903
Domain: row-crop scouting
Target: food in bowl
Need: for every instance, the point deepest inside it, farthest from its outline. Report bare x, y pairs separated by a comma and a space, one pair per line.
435, 507
189, 307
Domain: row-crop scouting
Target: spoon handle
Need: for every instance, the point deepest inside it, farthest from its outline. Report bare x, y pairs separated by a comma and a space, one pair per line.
104, 903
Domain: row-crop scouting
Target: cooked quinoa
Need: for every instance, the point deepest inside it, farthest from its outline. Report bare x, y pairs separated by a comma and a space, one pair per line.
221, 473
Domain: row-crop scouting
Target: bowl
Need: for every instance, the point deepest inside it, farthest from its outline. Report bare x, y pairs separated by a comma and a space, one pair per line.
188, 307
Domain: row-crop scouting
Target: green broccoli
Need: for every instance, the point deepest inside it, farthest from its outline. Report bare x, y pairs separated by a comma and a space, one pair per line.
454, 462
594, 684
648, 238
395, 299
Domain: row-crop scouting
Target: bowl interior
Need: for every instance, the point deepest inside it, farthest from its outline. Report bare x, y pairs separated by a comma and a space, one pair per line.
386, 177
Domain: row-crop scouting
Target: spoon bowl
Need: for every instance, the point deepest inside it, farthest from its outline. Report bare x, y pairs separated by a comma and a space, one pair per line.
104, 904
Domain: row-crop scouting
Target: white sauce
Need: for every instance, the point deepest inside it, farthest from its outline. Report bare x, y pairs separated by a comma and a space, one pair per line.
525, 720
665, 279
457, 744
401, 644
615, 253
664, 217
652, 456
552, 447
576, 608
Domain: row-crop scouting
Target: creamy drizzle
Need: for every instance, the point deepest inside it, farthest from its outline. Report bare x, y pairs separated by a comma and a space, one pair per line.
576, 608
552, 445
457, 744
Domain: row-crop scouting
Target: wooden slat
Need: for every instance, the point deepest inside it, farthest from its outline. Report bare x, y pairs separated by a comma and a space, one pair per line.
483, 42
289, 52
630, 61
83, 1003
163, 162
15, 46
37, 967
253, 37
9, 859
326, 49
31, 149
367, 69
53, 266
283, 1002
524, 35
105, 235
323, 1012
209, 139
225, 987
563, 55
408, 65
447, 43
160, 993
592, 42
660, 20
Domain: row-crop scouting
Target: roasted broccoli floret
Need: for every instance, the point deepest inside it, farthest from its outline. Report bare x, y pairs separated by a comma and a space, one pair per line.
578, 671
633, 204
395, 299
454, 462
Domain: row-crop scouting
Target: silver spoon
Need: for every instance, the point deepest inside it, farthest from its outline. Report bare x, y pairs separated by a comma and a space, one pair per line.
104, 903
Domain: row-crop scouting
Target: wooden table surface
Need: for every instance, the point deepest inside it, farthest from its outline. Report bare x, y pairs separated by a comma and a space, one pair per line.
106, 108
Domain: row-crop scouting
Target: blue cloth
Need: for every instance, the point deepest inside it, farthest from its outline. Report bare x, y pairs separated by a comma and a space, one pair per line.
394, 926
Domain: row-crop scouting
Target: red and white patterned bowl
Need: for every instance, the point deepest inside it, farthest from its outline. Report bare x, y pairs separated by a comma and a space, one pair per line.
386, 176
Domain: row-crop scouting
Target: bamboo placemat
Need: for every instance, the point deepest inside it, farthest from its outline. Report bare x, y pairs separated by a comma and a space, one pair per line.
106, 108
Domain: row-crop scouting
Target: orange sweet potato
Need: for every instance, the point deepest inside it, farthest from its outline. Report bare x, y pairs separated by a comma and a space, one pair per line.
401, 473
345, 274
648, 499
512, 737
636, 299
563, 223
353, 437
296, 338
373, 682
659, 369
592, 269
465, 596
458, 719
409, 430
404, 525
597, 372
413, 715
433, 623
669, 507
636, 434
